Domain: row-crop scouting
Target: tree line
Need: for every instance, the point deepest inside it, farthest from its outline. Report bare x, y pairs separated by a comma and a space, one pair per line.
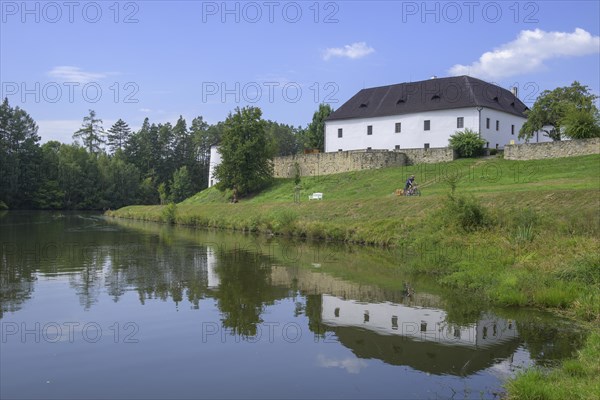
162, 163
108, 169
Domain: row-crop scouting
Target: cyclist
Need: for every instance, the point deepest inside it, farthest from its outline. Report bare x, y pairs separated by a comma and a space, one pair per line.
409, 184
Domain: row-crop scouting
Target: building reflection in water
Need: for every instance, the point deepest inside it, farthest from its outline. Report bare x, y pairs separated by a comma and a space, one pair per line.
418, 323
397, 329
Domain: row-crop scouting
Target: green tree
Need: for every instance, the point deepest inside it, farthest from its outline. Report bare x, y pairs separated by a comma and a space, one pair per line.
467, 143
553, 106
118, 135
77, 178
182, 144
186, 152
162, 155
203, 136
315, 132
120, 181
181, 188
581, 124
19, 156
49, 196
163, 193
285, 139
246, 155
91, 133
148, 193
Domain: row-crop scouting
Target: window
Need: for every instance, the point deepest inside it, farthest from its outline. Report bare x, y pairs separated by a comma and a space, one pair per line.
366, 316
336, 312
512, 129
460, 122
427, 125
340, 150
369, 129
426, 146
497, 125
487, 123
340, 132
423, 326
397, 147
394, 322
398, 127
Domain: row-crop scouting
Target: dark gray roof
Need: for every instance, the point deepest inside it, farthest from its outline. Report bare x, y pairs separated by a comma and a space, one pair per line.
430, 95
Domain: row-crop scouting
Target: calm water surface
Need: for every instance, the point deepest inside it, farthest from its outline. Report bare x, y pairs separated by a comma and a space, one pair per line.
101, 308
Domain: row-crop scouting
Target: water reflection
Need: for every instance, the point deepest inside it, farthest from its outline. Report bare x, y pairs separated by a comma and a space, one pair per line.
340, 294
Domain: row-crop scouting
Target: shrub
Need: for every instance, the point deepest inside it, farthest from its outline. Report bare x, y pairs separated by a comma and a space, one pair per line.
524, 217
467, 143
169, 213
466, 212
297, 174
524, 234
3, 205
523, 223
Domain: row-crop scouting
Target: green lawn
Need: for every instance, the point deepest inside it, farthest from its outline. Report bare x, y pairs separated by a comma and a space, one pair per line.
475, 175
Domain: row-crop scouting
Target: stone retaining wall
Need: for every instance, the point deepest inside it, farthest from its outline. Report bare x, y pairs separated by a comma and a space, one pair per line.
335, 163
538, 151
356, 160
429, 156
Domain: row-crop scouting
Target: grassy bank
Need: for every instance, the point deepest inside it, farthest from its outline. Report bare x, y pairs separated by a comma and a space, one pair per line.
513, 234
574, 379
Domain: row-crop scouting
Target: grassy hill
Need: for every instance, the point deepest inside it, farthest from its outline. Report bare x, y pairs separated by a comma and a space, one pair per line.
514, 233
361, 206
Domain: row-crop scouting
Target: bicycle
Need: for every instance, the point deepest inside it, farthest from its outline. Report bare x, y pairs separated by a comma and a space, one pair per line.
412, 191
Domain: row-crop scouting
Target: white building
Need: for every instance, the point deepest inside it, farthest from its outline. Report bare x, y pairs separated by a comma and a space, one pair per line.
215, 159
424, 114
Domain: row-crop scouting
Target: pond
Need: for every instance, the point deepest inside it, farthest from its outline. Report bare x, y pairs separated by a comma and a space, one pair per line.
92, 307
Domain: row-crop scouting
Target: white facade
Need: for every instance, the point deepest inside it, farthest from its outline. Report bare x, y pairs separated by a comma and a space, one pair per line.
442, 123
215, 160
497, 138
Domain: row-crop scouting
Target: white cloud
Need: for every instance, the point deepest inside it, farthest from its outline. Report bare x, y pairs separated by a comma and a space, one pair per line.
351, 365
528, 52
145, 110
68, 73
353, 51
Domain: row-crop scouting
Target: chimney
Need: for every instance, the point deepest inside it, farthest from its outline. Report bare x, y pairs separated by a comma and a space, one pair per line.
515, 91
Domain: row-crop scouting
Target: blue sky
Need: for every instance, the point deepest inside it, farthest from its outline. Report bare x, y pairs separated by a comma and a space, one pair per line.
159, 59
